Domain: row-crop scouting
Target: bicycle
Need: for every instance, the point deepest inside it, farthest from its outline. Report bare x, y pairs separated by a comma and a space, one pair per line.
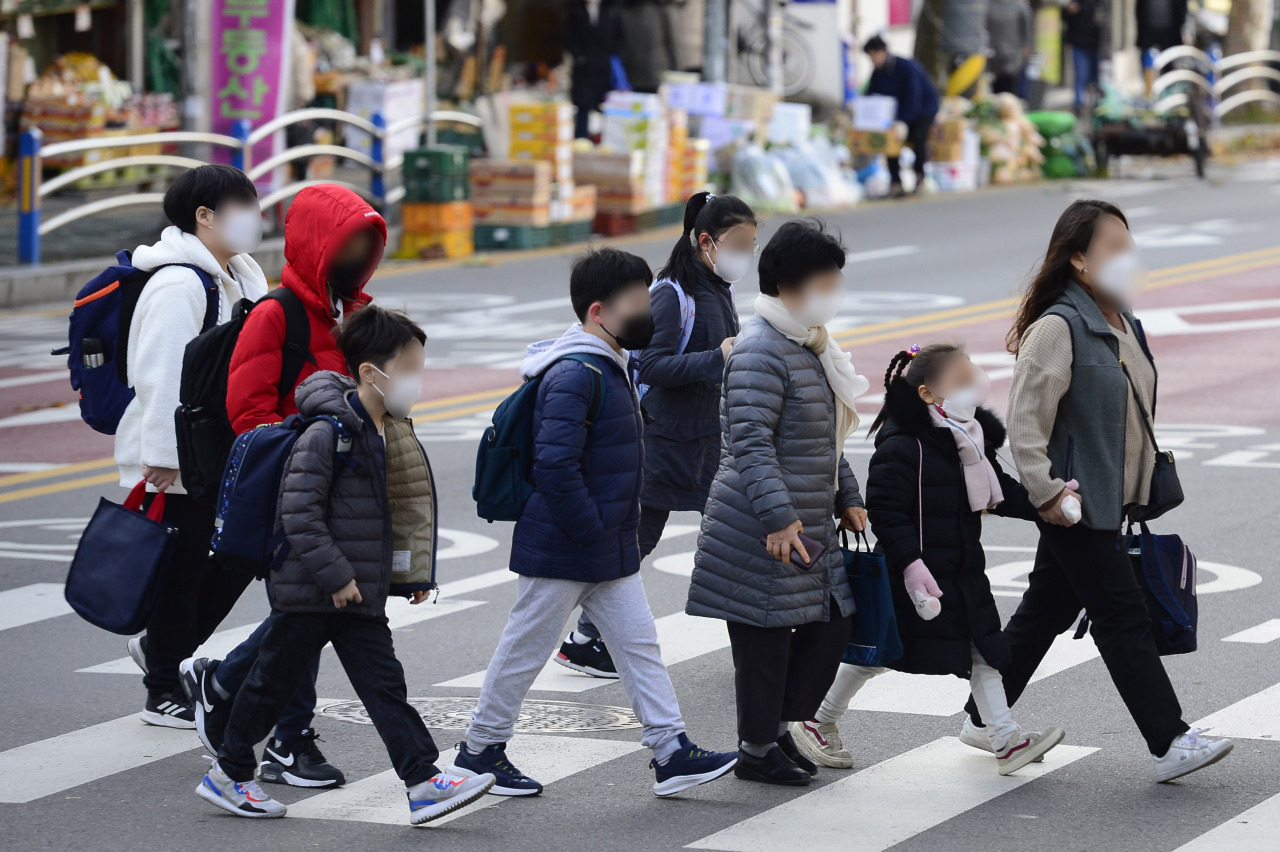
798, 62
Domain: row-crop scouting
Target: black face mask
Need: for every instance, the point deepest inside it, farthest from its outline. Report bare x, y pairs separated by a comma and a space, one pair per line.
346, 278
637, 331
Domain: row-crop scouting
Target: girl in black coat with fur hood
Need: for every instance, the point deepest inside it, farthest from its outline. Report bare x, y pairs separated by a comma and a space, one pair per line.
933, 474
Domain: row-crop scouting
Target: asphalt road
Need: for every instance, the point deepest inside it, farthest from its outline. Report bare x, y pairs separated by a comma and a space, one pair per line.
78, 770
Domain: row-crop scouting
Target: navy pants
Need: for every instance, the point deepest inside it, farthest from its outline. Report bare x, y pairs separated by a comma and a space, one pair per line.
299, 710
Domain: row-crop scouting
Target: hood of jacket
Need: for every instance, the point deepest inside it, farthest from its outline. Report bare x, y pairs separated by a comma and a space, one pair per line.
177, 246
909, 415
574, 341
325, 393
320, 220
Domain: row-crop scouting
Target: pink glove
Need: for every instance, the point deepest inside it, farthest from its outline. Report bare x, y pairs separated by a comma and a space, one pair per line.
923, 590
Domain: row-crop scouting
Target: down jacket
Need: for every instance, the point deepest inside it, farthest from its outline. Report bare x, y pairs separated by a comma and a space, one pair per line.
320, 220
916, 477
344, 513
778, 460
580, 523
906, 80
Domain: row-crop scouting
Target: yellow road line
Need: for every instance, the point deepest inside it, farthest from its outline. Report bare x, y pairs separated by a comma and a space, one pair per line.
57, 487
53, 472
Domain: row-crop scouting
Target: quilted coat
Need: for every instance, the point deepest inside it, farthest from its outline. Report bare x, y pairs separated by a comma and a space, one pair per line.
778, 463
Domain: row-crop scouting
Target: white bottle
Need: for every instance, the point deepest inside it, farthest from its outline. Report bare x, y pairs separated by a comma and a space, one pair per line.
1071, 508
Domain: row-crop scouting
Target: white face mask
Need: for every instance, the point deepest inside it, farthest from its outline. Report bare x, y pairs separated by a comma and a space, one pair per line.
964, 403
1123, 277
731, 266
240, 230
820, 308
402, 394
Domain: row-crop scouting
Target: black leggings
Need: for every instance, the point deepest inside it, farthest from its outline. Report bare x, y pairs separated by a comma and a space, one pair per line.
918, 140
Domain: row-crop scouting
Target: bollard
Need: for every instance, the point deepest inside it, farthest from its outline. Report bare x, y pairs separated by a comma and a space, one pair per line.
29, 167
378, 186
240, 156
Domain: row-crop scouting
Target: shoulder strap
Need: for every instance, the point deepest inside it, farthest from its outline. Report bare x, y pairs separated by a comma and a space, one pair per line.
597, 387
1142, 409
688, 311
920, 497
297, 339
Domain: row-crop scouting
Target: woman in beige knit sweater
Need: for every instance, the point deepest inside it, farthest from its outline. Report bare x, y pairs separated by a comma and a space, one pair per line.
1077, 434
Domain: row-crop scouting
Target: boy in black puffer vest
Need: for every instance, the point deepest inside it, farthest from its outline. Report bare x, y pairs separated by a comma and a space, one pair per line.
340, 519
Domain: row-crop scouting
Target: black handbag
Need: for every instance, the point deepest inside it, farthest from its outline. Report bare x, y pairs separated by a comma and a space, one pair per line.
1166, 488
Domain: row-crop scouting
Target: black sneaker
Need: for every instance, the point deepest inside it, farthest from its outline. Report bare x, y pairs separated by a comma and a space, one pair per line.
592, 658
788, 746
211, 710
169, 710
774, 768
298, 763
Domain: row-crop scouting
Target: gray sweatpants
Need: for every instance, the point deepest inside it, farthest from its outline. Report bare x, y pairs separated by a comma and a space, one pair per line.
532, 634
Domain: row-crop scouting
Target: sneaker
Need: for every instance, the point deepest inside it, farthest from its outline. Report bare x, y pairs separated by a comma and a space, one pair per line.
211, 710
774, 768
592, 658
137, 647
298, 763
1189, 752
169, 710
978, 737
821, 743
689, 767
508, 781
242, 799
788, 746
1025, 748
445, 792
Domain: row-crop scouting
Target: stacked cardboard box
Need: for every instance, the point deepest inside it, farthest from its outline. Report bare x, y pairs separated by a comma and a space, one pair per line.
947, 140
512, 192
543, 132
872, 132
618, 179
637, 124
436, 222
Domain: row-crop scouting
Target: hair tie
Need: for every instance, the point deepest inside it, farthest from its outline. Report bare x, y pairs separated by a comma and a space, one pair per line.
914, 350
710, 195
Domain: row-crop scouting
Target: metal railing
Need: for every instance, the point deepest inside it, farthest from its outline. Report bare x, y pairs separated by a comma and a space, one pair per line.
238, 148
1224, 74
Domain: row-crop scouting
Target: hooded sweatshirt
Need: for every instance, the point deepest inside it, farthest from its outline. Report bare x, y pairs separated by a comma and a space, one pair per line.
320, 220
170, 312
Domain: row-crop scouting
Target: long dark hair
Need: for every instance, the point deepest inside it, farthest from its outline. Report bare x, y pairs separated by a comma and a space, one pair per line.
704, 213
1072, 234
910, 369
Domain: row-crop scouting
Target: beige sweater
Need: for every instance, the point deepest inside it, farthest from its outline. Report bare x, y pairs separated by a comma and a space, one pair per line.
1040, 379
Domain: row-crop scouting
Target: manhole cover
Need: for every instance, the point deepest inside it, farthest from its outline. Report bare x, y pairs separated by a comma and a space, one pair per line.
536, 716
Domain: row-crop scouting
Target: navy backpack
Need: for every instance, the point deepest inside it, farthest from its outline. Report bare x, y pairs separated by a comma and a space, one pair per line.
504, 461
98, 338
246, 537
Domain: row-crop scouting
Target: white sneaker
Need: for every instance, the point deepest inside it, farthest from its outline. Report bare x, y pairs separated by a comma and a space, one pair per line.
1190, 752
980, 738
246, 800
445, 792
1025, 748
821, 743
137, 653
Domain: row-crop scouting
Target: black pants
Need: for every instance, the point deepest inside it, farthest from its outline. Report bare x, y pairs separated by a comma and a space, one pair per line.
781, 674
652, 523
364, 648
1007, 82
918, 140
195, 595
1077, 567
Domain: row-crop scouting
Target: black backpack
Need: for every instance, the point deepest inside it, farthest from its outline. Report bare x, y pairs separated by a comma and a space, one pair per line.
204, 430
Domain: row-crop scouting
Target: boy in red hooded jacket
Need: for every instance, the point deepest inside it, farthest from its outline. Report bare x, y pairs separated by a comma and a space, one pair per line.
333, 242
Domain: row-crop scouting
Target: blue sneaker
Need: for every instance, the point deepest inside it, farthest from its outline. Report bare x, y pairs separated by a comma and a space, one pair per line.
493, 760
689, 767
444, 792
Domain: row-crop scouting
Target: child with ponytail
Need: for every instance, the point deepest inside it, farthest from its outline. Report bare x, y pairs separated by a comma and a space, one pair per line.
933, 474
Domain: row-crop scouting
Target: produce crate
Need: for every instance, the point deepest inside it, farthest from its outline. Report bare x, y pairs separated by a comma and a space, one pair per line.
671, 214
442, 160
614, 224
509, 237
569, 233
437, 189
647, 221
442, 244
427, 218
470, 139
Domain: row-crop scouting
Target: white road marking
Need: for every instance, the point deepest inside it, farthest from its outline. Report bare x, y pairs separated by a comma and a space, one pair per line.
881, 254
1256, 828
35, 379
1161, 322
42, 416
1267, 631
29, 604
59, 763
381, 798
1254, 718
886, 804
25, 467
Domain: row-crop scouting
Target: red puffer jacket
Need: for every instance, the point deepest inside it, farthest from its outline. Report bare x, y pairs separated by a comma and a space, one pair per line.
320, 220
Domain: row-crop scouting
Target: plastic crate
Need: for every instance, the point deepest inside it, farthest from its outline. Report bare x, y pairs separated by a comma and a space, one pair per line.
439, 189
443, 244
472, 139
614, 224
438, 161
510, 237
671, 214
425, 218
647, 220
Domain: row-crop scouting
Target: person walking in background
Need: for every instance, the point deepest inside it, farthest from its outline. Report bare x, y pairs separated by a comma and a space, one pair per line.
1083, 33
934, 473
215, 223
695, 322
908, 82
1083, 379
1011, 28
786, 412
594, 37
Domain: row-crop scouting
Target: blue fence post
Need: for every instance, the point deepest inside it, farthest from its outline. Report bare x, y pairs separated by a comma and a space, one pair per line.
29, 167
378, 185
240, 156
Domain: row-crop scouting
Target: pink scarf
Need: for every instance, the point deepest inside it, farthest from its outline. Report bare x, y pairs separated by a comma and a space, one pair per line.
979, 476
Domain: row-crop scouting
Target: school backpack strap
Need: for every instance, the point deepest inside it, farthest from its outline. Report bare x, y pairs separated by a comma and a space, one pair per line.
596, 404
297, 338
688, 311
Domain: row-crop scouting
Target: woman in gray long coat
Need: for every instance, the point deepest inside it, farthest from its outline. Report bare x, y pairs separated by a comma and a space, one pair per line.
786, 412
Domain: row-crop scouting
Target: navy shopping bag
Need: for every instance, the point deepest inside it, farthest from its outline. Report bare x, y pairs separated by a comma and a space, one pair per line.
874, 640
120, 563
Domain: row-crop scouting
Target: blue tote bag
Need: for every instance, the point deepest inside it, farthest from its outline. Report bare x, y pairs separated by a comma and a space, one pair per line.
874, 640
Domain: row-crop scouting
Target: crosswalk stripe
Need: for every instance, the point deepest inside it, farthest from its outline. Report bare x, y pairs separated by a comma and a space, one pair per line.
887, 803
1254, 718
1256, 828
1267, 631
29, 604
681, 636
381, 798
400, 613
59, 763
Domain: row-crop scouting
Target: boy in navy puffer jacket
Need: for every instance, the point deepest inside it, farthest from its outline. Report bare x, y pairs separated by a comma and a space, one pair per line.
576, 541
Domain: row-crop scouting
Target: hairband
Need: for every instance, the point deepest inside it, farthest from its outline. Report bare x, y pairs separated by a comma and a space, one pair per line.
710, 195
914, 350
